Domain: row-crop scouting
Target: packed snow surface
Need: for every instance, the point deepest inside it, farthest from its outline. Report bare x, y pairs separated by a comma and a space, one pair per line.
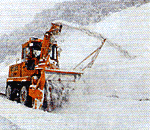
114, 93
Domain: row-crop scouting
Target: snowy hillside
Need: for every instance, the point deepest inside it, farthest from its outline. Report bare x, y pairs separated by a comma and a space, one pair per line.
18, 24
114, 93
128, 31
15, 15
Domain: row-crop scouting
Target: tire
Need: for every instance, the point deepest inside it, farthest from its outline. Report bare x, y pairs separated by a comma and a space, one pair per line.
23, 95
8, 92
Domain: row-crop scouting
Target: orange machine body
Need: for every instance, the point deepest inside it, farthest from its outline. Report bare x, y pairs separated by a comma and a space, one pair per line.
27, 80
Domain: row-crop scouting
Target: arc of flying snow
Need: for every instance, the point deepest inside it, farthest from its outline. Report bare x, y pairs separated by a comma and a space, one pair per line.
101, 37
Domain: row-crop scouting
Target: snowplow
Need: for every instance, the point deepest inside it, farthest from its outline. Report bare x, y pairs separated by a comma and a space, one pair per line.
38, 81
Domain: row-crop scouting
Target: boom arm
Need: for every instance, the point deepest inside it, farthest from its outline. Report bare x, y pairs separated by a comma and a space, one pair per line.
47, 41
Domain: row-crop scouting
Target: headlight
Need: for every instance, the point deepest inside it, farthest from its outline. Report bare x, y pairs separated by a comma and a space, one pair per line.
31, 44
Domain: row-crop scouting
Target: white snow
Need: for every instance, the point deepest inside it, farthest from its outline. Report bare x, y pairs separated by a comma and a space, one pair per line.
15, 14
129, 28
108, 94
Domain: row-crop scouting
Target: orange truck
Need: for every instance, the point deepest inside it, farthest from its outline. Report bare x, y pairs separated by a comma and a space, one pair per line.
38, 81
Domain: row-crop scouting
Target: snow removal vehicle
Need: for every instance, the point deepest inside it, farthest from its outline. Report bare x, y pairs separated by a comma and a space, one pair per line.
38, 81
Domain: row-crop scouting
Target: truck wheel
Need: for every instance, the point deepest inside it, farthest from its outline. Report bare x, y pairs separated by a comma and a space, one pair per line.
23, 95
8, 92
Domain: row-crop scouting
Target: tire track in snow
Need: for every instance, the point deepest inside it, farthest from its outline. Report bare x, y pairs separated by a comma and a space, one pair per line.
101, 37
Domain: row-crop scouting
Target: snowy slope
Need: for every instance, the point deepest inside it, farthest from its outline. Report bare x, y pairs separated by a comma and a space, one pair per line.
107, 96
130, 30
16, 14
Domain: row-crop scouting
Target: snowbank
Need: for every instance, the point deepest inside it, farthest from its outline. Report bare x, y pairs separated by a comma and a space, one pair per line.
130, 30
